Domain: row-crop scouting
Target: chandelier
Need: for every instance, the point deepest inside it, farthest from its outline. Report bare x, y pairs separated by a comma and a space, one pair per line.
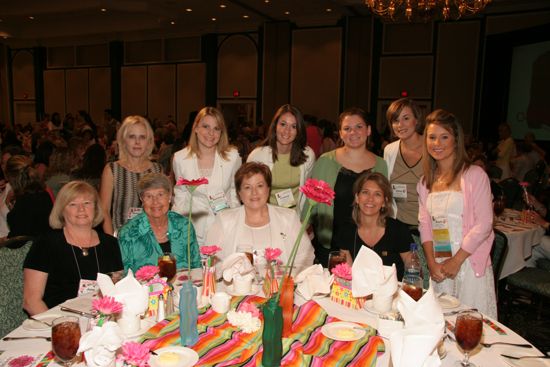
425, 9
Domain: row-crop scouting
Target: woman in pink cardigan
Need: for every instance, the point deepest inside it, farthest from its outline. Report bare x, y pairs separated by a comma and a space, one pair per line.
456, 216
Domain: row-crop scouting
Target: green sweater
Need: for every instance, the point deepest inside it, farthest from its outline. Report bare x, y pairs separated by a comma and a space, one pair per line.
326, 168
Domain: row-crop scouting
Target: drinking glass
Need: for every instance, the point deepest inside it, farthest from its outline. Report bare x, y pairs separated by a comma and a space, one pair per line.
167, 266
65, 338
335, 258
468, 330
498, 205
413, 286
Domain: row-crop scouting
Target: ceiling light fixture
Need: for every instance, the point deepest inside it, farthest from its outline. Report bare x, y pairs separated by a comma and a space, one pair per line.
103, 10
213, 19
425, 10
31, 17
328, 10
287, 12
246, 16
189, 10
172, 22
223, 6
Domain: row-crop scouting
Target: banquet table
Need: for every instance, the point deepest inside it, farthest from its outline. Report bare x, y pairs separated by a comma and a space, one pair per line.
521, 238
221, 344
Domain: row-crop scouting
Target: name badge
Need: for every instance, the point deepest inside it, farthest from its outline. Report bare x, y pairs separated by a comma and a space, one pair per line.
132, 212
399, 191
218, 202
441, 238
87, 286
285, 198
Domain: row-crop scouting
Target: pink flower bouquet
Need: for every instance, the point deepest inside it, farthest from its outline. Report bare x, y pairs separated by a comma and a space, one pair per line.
342, 271
106, 306
271, 285
147, 272
134, 354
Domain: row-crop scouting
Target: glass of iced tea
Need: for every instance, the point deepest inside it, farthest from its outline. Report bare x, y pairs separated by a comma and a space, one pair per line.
65, 338
413, 286
468, 331
167, 266
335, 258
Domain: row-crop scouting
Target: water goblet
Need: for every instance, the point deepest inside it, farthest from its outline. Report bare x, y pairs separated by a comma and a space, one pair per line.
167, 266
468, 331
65, 338
499, 204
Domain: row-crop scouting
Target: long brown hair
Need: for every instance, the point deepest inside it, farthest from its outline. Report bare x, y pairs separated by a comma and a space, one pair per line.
297, 154
223, 146
384, 184
449, 122
392, 114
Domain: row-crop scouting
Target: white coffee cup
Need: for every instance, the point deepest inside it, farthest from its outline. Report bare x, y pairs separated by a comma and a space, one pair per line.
242, 284
220, 302
129, 323
382, 303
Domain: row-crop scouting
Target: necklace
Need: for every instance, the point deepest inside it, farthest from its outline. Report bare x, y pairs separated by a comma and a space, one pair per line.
85, 247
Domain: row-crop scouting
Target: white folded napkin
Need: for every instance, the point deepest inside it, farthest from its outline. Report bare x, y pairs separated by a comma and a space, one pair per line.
234, 264
312, 281
370, 275
100, 344
416, 344
128, 291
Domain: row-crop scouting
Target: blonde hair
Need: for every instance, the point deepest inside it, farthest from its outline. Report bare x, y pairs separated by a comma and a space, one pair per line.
67, 194
22, 176
122, 134
449, 122
223, 146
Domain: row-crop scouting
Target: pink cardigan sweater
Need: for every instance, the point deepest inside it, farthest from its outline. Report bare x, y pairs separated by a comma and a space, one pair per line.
477, 217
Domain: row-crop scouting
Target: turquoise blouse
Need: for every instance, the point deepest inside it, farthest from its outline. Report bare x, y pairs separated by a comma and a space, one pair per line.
139, 246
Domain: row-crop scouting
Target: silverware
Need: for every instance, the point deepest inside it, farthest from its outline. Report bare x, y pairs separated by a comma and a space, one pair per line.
522, 357
48, 324
8, 338
488, 345
78, 312
451, 313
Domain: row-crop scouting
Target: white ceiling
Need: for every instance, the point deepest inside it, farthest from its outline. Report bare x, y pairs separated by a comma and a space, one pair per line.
58, 20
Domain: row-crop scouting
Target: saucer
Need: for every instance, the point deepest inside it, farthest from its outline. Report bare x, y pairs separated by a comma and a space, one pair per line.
447, 302
33, 325
343, 331
145, 325
253, 290
184, 357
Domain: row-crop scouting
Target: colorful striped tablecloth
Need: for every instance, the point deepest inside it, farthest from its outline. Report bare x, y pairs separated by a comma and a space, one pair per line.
221, 344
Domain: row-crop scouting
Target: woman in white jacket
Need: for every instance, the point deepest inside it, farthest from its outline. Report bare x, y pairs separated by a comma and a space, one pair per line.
287, 155
207, 155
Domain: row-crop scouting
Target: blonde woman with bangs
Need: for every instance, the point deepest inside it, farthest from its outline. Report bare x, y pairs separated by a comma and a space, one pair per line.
118, 188
207, 155
63, 263
456, 216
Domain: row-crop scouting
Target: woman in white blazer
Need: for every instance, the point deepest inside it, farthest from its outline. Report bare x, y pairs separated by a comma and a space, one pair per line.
207, 155
258, 224
287, 155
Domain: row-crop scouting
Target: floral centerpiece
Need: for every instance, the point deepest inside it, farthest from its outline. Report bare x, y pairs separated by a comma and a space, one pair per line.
208, 270
271, 285
146, 273
133, 354
340, 291
246, 318
106, 307
189, 314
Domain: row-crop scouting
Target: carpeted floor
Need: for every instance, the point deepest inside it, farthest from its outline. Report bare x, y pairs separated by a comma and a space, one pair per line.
528, 318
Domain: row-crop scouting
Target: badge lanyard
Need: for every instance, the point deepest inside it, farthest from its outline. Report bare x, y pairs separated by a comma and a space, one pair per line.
86, 285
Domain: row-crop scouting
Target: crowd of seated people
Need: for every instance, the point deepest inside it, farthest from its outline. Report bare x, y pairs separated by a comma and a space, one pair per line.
82, 184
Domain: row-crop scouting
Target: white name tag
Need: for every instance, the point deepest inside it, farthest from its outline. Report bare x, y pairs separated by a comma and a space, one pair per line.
87, 286
285, 198
218, 202
399, 191
132, 212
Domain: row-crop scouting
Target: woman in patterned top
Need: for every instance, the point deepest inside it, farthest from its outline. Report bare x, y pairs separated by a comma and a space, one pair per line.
118, 188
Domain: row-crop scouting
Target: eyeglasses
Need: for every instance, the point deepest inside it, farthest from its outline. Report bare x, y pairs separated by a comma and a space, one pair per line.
149, 198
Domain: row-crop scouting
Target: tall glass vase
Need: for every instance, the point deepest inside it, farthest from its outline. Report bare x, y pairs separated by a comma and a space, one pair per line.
208, 281
287, 303
189, 314
272, 334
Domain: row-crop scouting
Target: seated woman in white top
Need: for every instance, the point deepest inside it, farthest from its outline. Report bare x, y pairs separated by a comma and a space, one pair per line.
257, 223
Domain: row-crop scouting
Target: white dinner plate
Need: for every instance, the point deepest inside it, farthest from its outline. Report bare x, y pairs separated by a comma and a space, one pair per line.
447, 302
343, 331
253, 290
145, 324
186, 357
526, 362
33, 325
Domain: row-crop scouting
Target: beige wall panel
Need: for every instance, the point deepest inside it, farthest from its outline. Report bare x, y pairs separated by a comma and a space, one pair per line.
191, 90
54, 92
315, 71
456, 68
509, 23
100, 92
410, 73
77, 90
134, 91
161, 92
23, 76
276, 68
237, 67
407, 38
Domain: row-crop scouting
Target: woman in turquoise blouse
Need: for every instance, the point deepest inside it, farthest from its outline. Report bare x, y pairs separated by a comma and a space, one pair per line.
156, 230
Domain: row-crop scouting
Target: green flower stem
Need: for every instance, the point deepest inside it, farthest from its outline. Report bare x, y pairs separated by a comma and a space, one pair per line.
292, 257
189, 232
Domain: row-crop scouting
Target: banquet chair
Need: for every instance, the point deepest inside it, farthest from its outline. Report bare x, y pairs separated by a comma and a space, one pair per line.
498, 255
535, 281
12, 254
543, 264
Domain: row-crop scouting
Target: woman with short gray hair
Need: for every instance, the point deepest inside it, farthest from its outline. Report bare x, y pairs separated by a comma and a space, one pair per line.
157, 229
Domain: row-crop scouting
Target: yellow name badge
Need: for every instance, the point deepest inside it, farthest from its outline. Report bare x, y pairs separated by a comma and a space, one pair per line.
442, 243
